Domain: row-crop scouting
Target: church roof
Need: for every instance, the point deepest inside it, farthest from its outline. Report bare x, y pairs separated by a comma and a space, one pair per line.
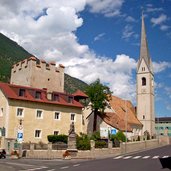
125, 110
144, 52
123, 116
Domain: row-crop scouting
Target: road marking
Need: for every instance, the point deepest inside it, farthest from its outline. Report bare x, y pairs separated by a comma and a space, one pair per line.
38, 168
156, 157
127, 157
165, 156
19, 164
51, 170
136, 157
75, 165
118, 157
146, 157
65, 167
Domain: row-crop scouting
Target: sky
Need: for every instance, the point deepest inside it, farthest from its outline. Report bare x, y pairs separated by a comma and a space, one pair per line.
96, 39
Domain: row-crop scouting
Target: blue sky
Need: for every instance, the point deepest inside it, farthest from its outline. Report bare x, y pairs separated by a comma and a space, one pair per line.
96, 39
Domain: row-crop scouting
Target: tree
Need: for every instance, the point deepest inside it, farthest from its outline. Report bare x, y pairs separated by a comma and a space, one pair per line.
99, 95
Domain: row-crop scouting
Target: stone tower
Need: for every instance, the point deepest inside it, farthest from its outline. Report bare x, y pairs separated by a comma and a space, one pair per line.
145, 86
37, 73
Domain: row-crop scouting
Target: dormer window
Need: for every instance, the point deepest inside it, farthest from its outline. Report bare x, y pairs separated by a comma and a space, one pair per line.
143, 81
55, 97
38, 95
70, 99
22, 92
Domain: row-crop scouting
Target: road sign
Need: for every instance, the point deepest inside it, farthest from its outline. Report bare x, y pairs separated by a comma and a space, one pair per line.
20, 137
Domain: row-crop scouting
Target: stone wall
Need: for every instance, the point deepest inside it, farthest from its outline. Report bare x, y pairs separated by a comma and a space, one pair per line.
98, 153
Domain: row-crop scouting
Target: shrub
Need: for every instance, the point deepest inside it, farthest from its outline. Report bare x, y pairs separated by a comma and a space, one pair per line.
100, 144
120, 136
58, 138
83, 142
95, 136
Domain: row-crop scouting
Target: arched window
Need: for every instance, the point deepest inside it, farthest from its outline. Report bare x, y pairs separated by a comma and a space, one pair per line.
143, 81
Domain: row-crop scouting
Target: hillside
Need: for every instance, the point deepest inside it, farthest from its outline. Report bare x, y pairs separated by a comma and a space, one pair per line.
11, 52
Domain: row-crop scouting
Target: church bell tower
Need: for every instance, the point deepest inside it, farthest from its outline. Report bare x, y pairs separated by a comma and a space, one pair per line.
145, 87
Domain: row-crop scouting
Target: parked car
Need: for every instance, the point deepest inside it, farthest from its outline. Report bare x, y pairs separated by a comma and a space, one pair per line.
2, 153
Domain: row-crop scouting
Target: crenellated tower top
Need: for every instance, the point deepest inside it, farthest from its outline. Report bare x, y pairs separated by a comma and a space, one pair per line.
38, 74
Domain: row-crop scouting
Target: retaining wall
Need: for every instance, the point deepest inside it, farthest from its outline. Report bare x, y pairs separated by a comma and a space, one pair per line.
97, 153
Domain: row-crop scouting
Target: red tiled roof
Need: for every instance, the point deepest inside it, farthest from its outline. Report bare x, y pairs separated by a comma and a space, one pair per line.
124, 109
11, 91
115, 121
80, 94
123, 117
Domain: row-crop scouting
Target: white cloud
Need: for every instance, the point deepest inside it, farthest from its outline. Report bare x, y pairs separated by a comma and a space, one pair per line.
161, 66
128, 32
130, 19
109, 8
157, 21
99, 36
152, 9
164, 27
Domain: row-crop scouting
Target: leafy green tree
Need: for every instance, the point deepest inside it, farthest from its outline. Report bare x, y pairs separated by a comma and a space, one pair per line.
99, 95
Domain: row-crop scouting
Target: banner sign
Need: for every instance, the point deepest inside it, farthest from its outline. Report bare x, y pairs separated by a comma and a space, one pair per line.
104, 133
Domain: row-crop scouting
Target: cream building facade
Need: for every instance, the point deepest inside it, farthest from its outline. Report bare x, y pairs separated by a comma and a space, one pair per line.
36, 109
145, 87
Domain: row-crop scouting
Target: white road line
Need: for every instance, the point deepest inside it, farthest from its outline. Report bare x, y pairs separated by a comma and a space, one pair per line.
118, 157
146, 157
51, 170
65, 167
21, 164
156, 157
75, 165
127, 157
165, 156
136, 157
38, 168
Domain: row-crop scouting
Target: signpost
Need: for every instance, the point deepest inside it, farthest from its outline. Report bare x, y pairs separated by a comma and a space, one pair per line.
20, 134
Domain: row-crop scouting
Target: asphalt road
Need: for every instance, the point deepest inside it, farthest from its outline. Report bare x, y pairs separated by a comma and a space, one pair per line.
141, 161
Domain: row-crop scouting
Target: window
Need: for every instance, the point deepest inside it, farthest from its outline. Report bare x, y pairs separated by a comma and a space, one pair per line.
38, 95
73, 117
57, 116
70, 99
20, 112
56, 133
39, 114
143, 81
143, 68
55, 97
143, 116
38, 134
22, 92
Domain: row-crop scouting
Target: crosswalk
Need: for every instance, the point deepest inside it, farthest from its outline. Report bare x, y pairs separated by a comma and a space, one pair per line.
139, 157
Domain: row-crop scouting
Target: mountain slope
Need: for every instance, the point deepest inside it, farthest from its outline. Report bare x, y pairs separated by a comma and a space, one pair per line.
11, 52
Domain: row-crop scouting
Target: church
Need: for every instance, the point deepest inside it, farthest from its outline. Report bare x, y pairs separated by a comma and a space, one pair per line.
122, 115
145, 87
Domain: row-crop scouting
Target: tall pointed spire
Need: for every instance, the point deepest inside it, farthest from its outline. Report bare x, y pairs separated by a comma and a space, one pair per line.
144, 53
